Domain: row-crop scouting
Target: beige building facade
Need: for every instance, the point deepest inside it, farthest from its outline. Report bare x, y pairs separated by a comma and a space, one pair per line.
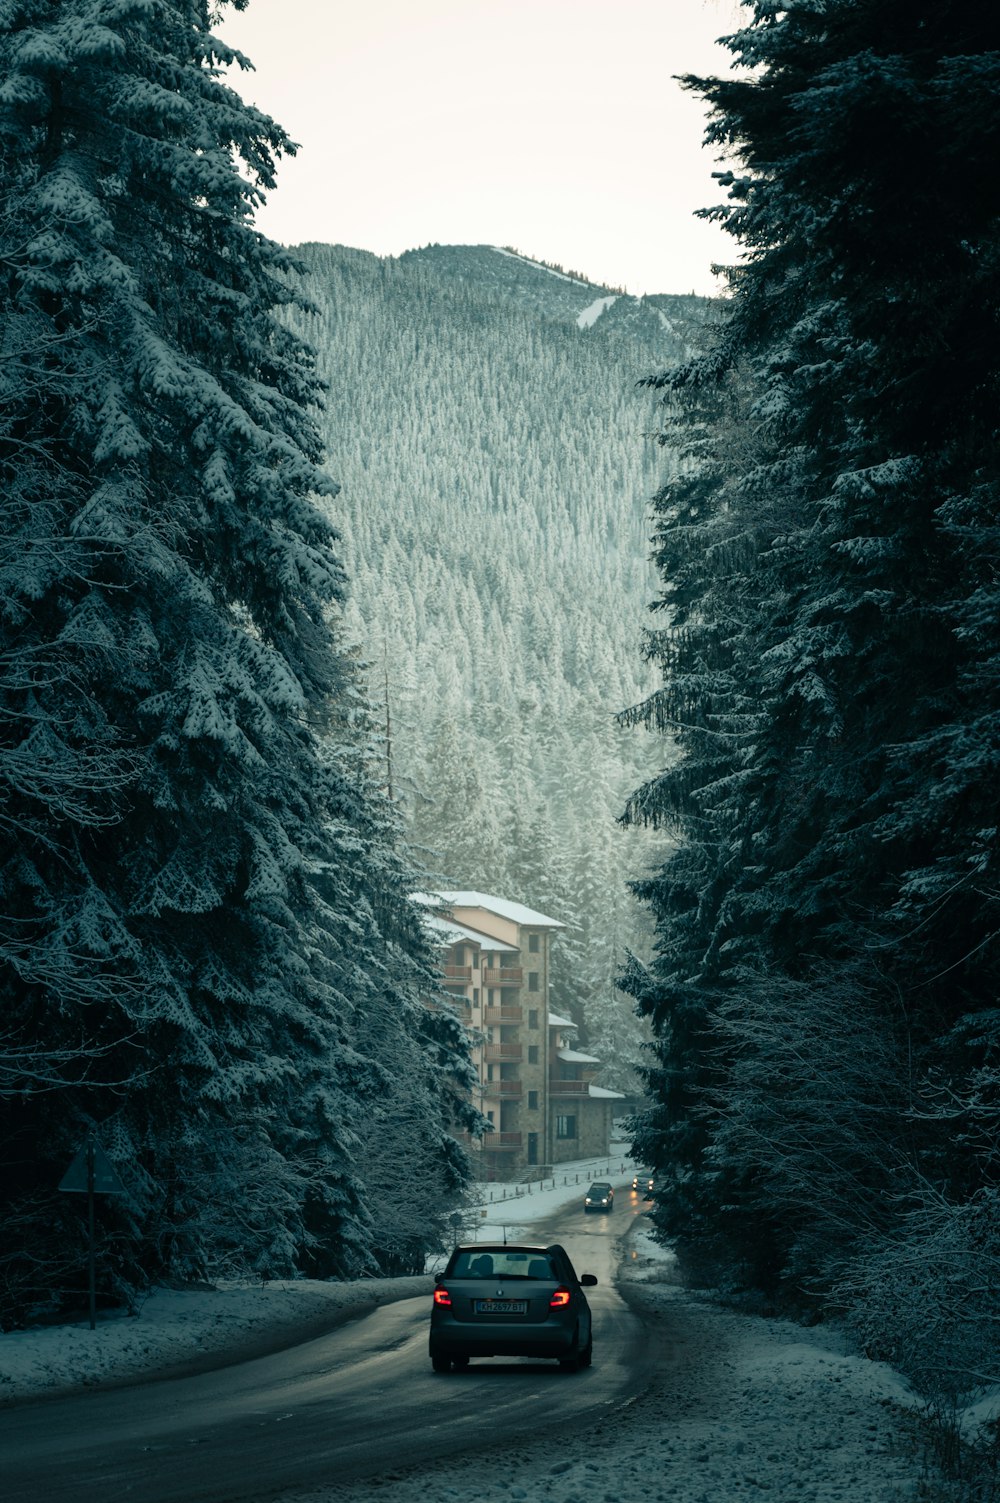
534, 1089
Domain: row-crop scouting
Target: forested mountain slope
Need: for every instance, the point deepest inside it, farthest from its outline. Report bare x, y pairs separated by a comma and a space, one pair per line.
484, 423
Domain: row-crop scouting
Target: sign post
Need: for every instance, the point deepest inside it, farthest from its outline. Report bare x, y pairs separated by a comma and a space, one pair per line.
91, 1173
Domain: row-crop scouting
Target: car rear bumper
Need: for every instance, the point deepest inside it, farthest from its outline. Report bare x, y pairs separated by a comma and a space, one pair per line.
488, 1339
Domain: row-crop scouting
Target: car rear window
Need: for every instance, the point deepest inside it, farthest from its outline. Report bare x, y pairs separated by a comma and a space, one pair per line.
501, 1263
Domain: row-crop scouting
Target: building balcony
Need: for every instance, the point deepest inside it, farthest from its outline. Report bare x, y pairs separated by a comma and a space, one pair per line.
502, 1142
569, 1087
457, 972
508, 975
502, 1053
505, 1088
503, 1014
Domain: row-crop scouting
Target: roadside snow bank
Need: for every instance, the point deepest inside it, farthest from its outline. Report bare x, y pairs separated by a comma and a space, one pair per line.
178, 1331
740, 1408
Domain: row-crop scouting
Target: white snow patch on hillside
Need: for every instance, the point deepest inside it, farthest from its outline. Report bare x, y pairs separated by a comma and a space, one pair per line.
550, 269
590, 315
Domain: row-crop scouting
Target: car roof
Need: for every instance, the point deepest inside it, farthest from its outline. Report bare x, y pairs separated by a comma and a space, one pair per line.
502, 1247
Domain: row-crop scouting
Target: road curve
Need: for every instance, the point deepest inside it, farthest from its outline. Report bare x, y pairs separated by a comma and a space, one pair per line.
360, 1400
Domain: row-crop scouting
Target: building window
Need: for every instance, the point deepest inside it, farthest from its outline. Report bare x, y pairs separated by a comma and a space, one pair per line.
475, 960
532, 1054
475, 995
532, 1101
490, 1119
532, 981
532, 1017
565, 1127
533, 943
490, 994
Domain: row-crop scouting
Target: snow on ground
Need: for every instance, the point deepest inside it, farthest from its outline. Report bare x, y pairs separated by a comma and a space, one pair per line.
517, 1206
538, 264
593, 311
742, 1409
181, 1328
739, 1408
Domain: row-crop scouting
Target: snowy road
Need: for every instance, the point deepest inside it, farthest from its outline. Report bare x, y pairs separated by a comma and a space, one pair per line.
352, 1403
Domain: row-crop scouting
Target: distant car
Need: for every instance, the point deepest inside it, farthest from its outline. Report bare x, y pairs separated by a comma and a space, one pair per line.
600, 1197
643, 1184
510, 1301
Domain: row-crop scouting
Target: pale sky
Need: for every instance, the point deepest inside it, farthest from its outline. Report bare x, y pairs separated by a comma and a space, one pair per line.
554, 126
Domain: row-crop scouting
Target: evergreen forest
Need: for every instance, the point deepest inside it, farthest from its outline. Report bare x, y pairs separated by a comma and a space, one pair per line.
823, 992
496, 456
325, 577
209, 960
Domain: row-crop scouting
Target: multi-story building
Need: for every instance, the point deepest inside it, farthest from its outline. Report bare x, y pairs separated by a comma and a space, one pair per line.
536, 1091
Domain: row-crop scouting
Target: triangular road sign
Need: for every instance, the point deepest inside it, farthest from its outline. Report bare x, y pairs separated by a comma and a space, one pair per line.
106, 1181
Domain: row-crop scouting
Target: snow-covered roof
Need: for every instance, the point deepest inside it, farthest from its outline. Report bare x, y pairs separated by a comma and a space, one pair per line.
574, 1057
454, 934
605, 1095
556, 1020
517, 913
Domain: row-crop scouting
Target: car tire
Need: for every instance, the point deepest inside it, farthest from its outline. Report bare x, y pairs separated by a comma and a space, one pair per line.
586, 1357
574, 1360
460, 1364
440, 1364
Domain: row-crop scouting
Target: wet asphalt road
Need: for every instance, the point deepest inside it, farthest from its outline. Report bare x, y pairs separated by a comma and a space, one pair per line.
360, 1400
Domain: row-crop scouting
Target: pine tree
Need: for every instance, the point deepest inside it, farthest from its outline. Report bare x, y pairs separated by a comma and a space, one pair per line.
181, 945
829, 647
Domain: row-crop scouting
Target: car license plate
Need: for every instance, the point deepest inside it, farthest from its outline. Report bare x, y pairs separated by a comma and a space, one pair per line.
501, 1306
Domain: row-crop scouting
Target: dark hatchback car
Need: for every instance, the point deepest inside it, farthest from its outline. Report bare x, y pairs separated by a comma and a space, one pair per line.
514, 1301
600, 1197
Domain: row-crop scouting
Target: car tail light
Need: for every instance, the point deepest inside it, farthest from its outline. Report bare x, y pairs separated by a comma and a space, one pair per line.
442, 1297
559, 1297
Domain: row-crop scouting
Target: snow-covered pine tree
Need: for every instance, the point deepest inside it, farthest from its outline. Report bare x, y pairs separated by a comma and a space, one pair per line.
709, 611
405, 1071
168, 677
831, 658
